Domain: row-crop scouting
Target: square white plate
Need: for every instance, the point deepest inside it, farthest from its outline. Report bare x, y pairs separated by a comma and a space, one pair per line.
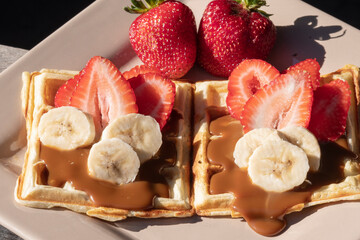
102, 29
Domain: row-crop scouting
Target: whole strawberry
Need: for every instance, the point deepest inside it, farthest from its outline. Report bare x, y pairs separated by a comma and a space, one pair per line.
231, 31
164, 36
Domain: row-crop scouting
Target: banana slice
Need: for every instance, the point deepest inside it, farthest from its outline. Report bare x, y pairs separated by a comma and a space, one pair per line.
304, 139
141, 132
66, 128
278, 166
114, 161
247, 144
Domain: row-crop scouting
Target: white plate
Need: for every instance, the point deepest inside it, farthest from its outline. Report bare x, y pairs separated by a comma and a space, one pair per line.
102, 29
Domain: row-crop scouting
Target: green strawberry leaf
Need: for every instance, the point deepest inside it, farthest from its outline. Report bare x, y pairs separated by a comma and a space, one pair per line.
254, 6
140, 7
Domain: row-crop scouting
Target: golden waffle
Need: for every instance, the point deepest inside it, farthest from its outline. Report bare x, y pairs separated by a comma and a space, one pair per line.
38, 93
212, 94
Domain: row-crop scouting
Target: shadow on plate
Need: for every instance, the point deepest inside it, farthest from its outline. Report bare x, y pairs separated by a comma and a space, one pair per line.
12, 151
197, 74
301, 41
136, 224
296, 217
110, 228
294, 43
123, 55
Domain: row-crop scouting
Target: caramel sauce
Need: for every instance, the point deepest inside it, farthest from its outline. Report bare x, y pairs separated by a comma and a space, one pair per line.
172, 127
43, 174
152, 170
332, 165
71, 166
263, 210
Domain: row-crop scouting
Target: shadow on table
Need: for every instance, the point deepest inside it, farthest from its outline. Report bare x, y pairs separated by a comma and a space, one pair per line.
301, 41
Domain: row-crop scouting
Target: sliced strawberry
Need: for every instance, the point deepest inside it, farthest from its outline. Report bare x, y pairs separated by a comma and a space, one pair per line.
85, 96
65, 92
155, 96
312, 67
103, 92
245, 80
330, 110
115, 95
138, 69
285, 101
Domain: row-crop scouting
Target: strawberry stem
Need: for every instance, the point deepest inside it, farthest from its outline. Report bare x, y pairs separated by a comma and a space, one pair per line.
254, 6
140, 7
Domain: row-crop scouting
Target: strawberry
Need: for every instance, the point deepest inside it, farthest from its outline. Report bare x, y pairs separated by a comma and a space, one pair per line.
231, 31
164, 36
330, 110
65, 92
312, 67
287, 100
245, 80
101, 91
155, 96
84, 97
138, 69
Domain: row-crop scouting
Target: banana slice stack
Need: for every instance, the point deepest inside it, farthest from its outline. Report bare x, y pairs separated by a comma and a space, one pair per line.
126, 142
278, 160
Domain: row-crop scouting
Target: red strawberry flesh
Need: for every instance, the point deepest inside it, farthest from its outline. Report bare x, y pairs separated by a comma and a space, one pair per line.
65, 92
138, 69
312, 67
330, 109
155, 96
283, 102
115, 95
246, 79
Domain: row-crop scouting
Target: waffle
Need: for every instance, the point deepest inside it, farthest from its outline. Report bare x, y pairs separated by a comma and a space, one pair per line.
212, 94
38, 94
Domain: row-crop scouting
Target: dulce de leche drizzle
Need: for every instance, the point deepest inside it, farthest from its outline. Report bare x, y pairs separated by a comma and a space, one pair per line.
262, 210
71, 166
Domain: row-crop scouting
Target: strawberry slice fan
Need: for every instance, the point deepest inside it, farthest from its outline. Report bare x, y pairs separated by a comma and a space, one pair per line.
101, 90
287, 100
261, 97
245, 80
